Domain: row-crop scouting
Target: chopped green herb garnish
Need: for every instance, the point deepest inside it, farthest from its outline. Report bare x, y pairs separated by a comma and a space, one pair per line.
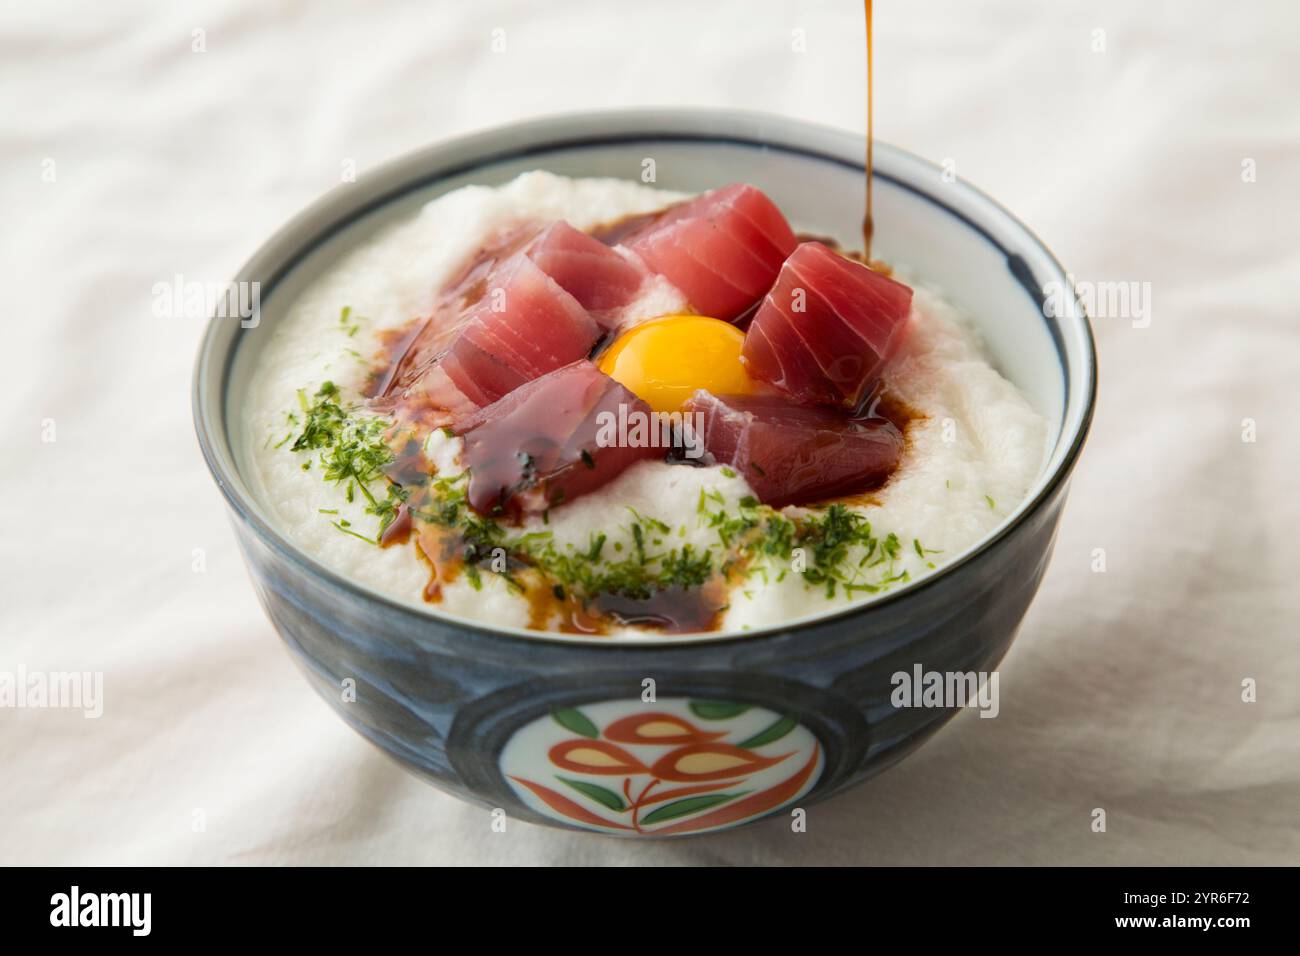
347, 323
833, 549
343, 526
921, 552
353, 451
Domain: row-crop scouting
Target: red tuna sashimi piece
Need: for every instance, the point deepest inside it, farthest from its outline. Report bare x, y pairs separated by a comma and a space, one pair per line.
722, 249
524, 326
793, 454
827, 329
540, 445
602, 280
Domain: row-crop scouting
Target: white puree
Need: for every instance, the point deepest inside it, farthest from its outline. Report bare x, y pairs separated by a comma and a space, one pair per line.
990, 450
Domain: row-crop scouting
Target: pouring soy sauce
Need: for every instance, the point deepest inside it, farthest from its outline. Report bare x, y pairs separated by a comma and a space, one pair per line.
868, 224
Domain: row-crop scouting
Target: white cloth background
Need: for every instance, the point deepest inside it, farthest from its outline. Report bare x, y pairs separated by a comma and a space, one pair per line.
1124, 689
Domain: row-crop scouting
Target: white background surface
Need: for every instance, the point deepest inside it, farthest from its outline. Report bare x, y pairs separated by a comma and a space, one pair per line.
1123, 691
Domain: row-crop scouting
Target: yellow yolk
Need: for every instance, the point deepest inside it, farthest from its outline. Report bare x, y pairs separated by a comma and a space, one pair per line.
665, 360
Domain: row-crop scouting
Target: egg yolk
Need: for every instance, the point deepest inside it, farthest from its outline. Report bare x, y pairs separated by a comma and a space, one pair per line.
665, 360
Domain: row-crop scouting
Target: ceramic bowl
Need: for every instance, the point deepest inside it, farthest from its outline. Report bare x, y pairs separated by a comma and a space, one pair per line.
668, 735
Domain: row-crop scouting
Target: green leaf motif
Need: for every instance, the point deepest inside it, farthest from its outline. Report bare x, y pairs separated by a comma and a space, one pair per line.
774, 732
680, 808
717, 709
570, 718
606, 798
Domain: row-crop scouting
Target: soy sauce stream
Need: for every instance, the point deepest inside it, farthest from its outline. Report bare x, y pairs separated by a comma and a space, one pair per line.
868, 224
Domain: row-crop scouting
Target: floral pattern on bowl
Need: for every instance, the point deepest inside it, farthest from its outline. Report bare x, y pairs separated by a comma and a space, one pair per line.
661, 768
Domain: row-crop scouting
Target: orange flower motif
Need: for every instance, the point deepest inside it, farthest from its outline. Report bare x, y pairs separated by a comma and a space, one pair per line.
713, 778
562, 804
594, 756
751, 806
657, 728
696, 763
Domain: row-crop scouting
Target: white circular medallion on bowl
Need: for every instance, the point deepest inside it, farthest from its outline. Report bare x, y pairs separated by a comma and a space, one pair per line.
661, 768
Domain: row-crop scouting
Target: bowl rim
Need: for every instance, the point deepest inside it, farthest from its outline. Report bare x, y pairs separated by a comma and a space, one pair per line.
547, 134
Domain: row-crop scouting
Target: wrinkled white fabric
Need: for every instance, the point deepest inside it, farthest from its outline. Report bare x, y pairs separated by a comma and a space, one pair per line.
1124, 691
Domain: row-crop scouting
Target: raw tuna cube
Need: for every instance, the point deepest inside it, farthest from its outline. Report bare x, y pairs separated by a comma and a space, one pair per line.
827, 329
601, 279
538, 446
524, 326
793, 454
484, 291
722, 249
529, 300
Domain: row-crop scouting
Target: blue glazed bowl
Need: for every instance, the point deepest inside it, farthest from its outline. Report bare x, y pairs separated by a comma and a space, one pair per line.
688, 734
